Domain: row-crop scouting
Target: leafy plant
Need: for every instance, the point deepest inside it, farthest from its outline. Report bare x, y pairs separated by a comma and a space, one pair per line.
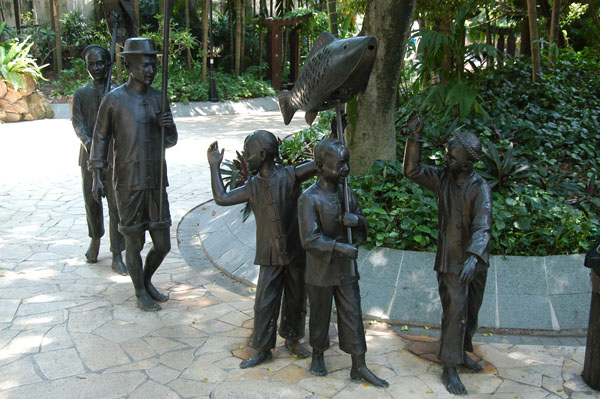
76, 31
540, 156
16, 62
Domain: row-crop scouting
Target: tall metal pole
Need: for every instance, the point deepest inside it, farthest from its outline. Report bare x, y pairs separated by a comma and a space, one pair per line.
165, 99
340, 136
212, 84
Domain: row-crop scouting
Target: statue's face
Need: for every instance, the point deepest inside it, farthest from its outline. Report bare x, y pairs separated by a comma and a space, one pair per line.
456, 157
142, 68
252, 155
336, 165
96, 65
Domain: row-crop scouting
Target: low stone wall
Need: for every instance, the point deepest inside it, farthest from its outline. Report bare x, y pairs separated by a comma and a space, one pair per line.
25, 104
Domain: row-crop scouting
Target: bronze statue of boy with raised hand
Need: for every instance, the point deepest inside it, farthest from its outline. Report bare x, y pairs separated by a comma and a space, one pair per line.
130, 117
86, 101
465, 225
273, 194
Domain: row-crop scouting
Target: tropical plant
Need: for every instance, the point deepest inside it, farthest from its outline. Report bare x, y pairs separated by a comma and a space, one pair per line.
445, 56
76, 30
16, 62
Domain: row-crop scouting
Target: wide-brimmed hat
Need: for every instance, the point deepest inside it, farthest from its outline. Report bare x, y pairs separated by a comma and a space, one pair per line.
139, 45
103, 50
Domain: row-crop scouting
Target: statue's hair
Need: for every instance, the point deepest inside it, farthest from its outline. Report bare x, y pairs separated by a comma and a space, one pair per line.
266, 141
470, 143
94, 47
326, 146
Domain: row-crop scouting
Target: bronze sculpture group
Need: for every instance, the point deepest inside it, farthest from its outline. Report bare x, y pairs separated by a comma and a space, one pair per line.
303, 247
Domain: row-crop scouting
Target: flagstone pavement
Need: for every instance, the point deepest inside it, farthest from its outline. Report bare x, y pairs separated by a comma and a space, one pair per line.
69, 329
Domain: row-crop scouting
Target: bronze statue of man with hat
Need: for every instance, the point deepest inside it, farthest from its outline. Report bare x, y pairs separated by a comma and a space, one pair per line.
86, 101
130, 118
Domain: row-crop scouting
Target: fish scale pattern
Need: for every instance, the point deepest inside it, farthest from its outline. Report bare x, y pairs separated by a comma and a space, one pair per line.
315, 70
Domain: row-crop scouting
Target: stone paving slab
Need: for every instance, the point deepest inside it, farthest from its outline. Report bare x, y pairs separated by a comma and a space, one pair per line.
400, 286
71, 330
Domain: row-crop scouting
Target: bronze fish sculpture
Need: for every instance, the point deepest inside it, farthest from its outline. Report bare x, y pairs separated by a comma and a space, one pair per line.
336, 69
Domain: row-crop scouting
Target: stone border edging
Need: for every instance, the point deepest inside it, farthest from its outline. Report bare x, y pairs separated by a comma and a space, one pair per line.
199, 108
532, 295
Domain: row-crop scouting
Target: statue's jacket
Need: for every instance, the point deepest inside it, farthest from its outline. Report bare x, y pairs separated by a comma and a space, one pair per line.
86, 101
319, 214
464, 212
131, 121
273, 201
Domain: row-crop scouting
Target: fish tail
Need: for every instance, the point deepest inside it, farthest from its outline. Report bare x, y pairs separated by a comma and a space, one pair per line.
285, 105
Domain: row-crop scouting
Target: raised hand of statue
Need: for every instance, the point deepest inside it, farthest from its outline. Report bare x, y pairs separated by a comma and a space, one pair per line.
215, 157
468, 271
350, 220
415, 124
98, 190
348, 250
166, 119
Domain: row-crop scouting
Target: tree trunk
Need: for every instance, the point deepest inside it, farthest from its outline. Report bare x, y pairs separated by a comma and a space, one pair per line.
238, 36
534, 39
591, 365
371, 133
57, 41
187, 26
554, 29
243, 37
525, 48
205, 12
332, 13
595, 18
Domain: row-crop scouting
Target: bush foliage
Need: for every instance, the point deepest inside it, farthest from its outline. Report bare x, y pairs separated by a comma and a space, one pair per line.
540, 157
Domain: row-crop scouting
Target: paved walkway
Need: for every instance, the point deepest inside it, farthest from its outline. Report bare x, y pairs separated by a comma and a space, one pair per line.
71, 330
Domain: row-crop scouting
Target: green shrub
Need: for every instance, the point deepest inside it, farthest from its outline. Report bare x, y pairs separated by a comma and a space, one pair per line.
16, 61
540, 158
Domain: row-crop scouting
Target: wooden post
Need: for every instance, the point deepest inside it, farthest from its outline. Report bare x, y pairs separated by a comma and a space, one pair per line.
57, 42
136, 5
17, 9
294, 54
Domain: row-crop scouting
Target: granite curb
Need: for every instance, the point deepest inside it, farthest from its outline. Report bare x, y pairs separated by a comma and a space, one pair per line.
524, 295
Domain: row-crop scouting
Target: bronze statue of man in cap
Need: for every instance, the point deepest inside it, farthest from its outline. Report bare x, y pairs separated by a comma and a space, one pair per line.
86, 101
130, 118
465, 229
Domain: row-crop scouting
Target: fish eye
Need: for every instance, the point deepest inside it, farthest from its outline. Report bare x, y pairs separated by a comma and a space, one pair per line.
345, 46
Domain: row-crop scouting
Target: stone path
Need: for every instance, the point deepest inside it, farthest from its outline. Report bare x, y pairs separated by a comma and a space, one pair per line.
71, 330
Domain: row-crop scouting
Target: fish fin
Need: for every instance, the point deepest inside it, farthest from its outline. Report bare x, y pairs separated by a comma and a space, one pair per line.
324, 39
309, 117
285, 106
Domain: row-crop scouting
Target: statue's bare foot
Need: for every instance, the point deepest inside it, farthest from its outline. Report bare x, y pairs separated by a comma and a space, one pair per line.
118, 265
157, 296
91, 254
146, 303
260, 357
471, 364
363, 373
296, 348
452, 382
317, 365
